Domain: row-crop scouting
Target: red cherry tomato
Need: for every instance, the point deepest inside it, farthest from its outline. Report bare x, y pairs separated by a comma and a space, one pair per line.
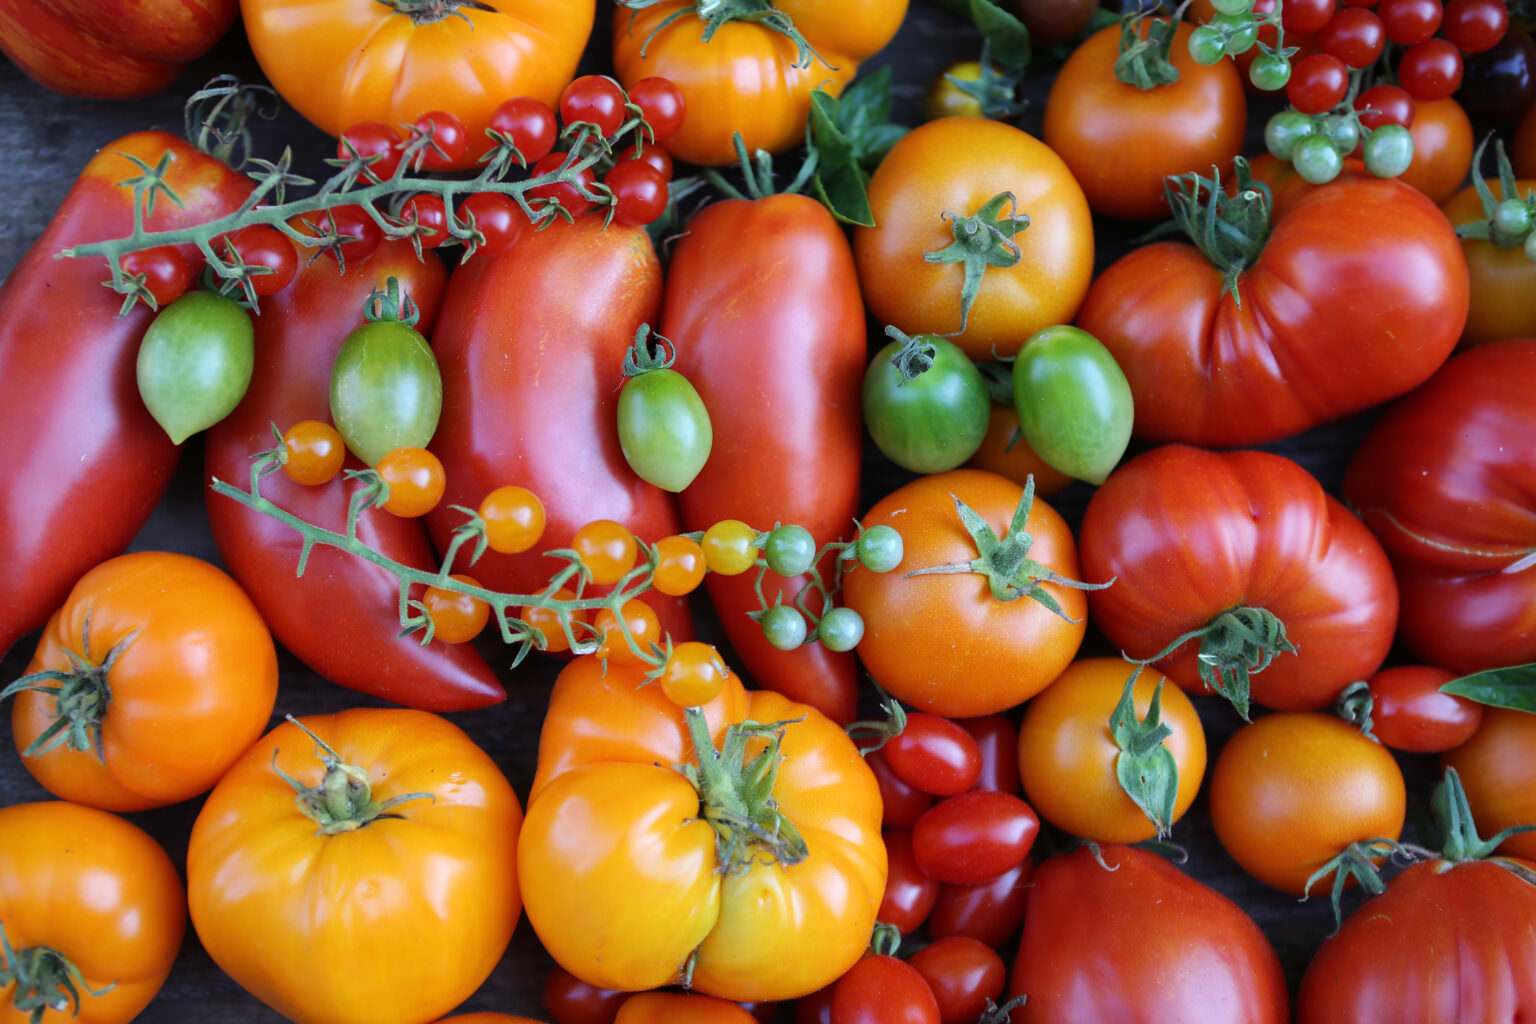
566, 192
530, 125
450, 141
974, 837
166, 270
427, 209
595, 99
997, 737
569, 1000
374, 141
267, 251
991, 913
656, 157
1430, 70
1474, 26
1410, 713
1306, 16
351, 222
964, 976
1354, 35
639, 192
935, 755
909, 894
661, 104
1385, 104
1410, 21
903, 803
495, 216
1318, 82
883, 990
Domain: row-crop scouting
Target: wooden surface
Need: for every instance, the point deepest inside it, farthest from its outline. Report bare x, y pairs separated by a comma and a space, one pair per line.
49, 138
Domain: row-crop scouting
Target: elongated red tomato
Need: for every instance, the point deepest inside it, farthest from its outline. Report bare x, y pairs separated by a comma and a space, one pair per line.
1447, 480
74, 434
1358, 295
342, 616
1198, 540
531, 343
771, 334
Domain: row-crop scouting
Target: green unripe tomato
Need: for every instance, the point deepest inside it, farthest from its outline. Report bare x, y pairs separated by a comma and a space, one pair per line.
840, 629
1285, 130
1316, 159
789, 549
664, 429
195, 362
1073, 401
880, 548
386, 390
934, 421
784, 627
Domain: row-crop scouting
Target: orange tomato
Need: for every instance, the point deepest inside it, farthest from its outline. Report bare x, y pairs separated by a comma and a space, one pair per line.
488, 1018
92, 890
676, 1008
383, 894
339, 62
177, 675
744, 78
1498, 770
1503, 280
1442, 148
1005, 452
916, 194
627, 880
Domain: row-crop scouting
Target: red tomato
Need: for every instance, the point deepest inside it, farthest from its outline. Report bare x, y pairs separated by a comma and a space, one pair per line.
883, 990
934, 754
1358, 295
974, 837
998, 740
1443, 479
680, 1008
909, 894
990, 912
965, 976
1410, 713
903, 803
1188, 536
1136, 941
569, 1000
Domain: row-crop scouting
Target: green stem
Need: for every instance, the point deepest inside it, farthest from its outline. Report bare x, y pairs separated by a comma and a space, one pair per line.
45, 979
81, 697
342, 801
715, 13
736, 796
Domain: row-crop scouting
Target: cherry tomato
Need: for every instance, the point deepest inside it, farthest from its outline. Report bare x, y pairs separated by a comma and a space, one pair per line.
569, 1000
680, 565
935, 755
1306, 16
974, 837
350, 222
1318, 82
495, 216
566, 193
728, 547
998, 740
661, 104
883, 990
1442, 152
903, 804
266, 251
1409, 21
315, 452
694, 674
641, 621
546, 622
991, 912
1355, 35
456, 617
449, 145
1385, 104
529, 124
656, 157
1410, 713
1430, 70
607, 549
166, 270
415, 478
377, 143
1474, 26
1498, 768
514, 519
427, 211
909, 894
639, 192
965, 976
665, 431
595, 99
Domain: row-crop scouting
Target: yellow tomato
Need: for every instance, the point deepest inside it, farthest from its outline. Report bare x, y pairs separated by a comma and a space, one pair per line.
1503, 279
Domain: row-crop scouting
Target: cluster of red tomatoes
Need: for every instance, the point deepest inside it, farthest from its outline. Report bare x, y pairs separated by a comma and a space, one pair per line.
474, 448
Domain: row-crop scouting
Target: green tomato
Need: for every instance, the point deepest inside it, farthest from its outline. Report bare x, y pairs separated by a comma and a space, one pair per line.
1284, 132
1316, 159
1073, 401
879, 548
840, 629
386, 390
934, 421
664, 428
1269, 72
1389, 151
195, 362
784, 627
790, 549
1206, 45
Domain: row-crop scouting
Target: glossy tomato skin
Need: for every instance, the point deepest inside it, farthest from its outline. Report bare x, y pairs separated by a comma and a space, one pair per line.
341, 617
1498, 769
605, 782
1503, 280
679, 1008
974, 837
1188, 535
909, 894
1309, 778
883, 990
901, 803
1121, 141
338, 64
74, 433
1358, 296
531, 342
772, 336
1445, 943
191, 688
934, 754
1067, 754
1410, 713
990, 912
1140, 942
403, 917
998, 740
96, 889
110, 49
488, 1018
1442, 149
963, 974
974, 655
743, 78
569, 1000
920, 181
1444, 480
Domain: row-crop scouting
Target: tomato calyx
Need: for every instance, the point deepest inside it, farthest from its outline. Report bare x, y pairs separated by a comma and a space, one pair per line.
736, 795
45, 979
983, 239
650, 351
1010, 572
715, 13
342, 801
1355, 705
80, 697
429, 12
1233, 646
876, 732
915, 356
1145, 767
1229, 228
1144, 55
1509, 220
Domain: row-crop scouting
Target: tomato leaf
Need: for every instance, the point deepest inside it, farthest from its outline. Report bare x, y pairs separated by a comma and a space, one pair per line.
847, 137
1145, 768
1006, 37
1512, 687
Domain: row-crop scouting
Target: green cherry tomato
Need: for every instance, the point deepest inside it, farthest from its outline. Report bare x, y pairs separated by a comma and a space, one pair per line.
1285, 130
1073, 401
195, 362
1232, 7
789, 549
1388, 151
879, 548
1316, 159
784, 627
934, 421
1343, 130
1269, 72
1206, 45
1239, 31
841, 629
386, 390
664, 428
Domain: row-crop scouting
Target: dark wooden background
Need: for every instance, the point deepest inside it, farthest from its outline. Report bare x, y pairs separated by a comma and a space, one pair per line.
48, 138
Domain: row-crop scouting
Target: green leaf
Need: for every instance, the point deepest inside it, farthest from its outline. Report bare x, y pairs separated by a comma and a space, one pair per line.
844, 190
1145, 768
1513, 687
1006, 36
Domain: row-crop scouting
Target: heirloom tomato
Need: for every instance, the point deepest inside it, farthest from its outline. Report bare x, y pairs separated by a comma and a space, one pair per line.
150, 681
1498, 769
1115, 933
965, 187
980, 636
1070, 757
665, 886
741, 72
1503, 275
92, 910
1447, 480
1224, 561
1358, 295
338, 62
1291, 791
358, 867
1121, 139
